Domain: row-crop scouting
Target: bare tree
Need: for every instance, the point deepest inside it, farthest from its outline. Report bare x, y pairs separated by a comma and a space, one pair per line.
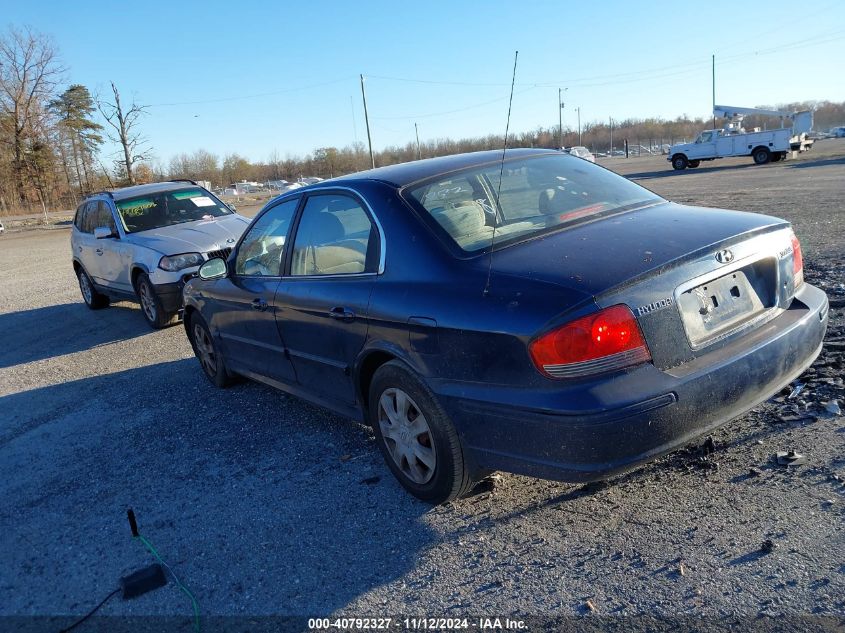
29, 72
124, 122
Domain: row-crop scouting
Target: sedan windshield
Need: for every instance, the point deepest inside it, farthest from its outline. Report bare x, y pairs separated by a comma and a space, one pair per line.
165, 208
537, 195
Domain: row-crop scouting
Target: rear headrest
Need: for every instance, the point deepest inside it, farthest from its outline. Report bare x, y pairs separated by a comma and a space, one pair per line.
460, 221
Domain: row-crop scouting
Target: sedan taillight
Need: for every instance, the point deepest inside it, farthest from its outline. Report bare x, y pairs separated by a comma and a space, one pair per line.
606, 341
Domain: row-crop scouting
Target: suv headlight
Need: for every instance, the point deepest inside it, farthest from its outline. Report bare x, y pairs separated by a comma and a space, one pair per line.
172, 263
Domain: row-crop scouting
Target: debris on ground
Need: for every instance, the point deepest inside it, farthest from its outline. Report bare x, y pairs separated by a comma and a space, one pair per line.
590, 606
796, 391
371, 480
709, 446
832, 407
767, 546
790, 458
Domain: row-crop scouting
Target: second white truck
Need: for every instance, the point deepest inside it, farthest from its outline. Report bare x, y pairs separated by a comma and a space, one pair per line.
762, 146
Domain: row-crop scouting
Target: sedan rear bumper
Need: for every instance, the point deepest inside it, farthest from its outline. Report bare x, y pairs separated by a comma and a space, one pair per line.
638, 415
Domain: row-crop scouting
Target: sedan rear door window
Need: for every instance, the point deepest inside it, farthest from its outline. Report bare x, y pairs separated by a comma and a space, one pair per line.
335, 236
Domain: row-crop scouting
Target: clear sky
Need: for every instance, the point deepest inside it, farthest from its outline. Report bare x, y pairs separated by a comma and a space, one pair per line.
254, 77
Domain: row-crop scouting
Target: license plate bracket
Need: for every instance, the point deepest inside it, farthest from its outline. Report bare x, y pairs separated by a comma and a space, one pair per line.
711, 309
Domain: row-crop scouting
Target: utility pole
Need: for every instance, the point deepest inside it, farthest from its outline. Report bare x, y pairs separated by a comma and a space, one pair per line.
354, 124
367, 120
559, 121
714, 90
578, 109
417, 132
611, 136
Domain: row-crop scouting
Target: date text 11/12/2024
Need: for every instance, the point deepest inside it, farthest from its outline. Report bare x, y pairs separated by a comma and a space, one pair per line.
416, 624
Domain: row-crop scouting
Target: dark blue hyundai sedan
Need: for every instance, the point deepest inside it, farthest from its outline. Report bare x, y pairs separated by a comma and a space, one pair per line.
537, 314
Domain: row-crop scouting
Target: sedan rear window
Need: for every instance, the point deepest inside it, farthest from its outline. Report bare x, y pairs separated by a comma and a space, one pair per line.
536, 195
165, 208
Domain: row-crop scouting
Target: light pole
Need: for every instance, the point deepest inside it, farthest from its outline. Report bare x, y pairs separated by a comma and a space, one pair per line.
367, 120
578, 109
714, 89
559, 121
560, 116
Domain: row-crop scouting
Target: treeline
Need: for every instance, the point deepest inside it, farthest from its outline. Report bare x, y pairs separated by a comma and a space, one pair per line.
52, 133
326, 162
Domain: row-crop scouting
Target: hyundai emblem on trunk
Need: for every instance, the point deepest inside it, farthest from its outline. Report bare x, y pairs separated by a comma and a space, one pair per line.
725, 256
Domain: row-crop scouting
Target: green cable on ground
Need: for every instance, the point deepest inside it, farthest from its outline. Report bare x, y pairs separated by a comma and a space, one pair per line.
178, 582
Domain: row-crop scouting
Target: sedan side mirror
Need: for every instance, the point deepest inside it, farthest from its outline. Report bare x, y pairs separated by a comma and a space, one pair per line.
213, 269
103, 233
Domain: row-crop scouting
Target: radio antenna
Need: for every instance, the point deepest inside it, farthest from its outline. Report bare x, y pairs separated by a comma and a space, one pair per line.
501, 173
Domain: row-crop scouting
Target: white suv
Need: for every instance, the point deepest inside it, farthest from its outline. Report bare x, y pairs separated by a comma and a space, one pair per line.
144, 242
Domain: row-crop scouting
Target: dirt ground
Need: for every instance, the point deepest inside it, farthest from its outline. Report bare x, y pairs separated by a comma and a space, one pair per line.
267, 506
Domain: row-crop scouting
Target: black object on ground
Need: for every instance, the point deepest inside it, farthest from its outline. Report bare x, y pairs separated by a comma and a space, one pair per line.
142, 581
133, 525
90, 613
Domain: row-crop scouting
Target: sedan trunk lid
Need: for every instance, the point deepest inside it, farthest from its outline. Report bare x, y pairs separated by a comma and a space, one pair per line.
693, 276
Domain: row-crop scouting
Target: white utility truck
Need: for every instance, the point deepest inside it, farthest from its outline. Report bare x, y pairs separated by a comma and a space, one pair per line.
734, 140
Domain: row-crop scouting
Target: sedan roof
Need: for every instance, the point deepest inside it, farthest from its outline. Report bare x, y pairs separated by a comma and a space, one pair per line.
407, 173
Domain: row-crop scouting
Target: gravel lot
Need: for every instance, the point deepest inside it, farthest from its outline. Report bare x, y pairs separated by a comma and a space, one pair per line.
265, 505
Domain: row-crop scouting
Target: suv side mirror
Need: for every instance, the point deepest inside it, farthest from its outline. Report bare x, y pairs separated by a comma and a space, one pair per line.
103, 232
231, 206
213, 269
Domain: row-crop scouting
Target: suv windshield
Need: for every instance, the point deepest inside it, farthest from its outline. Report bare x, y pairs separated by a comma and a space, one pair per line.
165, 208
537, 195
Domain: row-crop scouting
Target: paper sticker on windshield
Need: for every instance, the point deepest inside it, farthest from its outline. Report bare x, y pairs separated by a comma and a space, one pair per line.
203, 201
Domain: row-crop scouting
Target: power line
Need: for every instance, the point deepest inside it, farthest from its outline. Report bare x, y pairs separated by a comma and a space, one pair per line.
445, 112
658, 72
593, 81
253, 96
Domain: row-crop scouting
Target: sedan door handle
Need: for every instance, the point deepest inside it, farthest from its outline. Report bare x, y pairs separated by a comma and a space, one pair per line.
259, 304
344, 314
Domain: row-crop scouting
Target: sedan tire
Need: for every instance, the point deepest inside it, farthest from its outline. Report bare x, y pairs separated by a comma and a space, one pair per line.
208, 352
151, 306
418, 441
92, 298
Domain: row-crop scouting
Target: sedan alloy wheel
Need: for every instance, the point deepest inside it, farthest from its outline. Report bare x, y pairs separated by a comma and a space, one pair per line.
407, 435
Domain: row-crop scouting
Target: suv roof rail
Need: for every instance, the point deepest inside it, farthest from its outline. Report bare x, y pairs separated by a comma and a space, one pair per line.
98, 193
183, 180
